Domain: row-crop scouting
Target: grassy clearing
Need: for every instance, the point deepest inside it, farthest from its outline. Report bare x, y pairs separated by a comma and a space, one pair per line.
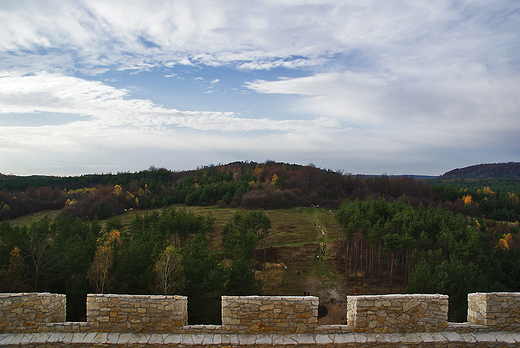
31, 218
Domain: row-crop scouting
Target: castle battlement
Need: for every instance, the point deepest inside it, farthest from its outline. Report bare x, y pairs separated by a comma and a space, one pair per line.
397, 320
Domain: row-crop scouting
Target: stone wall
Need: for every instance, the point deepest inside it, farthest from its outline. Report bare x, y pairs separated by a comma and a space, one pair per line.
280, 314
136, 313
255, 321
500, 310
27, 310
397, 313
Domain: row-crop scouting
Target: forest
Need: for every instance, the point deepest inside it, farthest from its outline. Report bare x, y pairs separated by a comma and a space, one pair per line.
249, 185
159, 253
427, 250
417, 235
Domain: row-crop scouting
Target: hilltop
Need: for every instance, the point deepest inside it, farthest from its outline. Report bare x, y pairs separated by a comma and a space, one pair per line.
504, 177
249, 185
510, 170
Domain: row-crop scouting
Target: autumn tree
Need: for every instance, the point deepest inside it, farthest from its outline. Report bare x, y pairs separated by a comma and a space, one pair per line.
169, 273
99, 273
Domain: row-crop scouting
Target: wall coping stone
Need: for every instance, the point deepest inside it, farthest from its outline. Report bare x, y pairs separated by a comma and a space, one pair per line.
419, 339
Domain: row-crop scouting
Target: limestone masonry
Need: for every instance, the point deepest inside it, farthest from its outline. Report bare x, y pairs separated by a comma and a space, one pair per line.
397, 313
260, 314
136, 313
38, 320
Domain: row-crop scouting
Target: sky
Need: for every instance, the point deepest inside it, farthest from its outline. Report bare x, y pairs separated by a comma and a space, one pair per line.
364, 87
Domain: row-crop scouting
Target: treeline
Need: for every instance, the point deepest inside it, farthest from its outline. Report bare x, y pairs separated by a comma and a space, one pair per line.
484, 203
427, 249
249, 185
511, 185
21, 183
167, 253
267, 185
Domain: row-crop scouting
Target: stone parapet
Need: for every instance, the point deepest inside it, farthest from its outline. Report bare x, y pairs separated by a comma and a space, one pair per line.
258, 321
499, 310
397, 313
280, 314
136, 313
25, 311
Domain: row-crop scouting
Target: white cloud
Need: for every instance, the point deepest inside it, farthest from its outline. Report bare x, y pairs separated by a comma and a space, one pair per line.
261, 35
214, 81
444, 112
114, 124
108, 111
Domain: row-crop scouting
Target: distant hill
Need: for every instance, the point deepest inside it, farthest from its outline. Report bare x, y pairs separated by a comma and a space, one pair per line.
504, 177
485, 171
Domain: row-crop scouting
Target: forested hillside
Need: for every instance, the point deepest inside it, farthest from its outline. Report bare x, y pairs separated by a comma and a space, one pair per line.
242, 184
503, 177
249, 185
389, 233
510, 170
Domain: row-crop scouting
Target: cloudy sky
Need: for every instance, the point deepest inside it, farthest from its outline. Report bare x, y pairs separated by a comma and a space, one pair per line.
369, 87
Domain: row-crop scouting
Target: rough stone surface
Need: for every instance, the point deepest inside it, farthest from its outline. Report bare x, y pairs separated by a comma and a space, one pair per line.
136, 313
276, 314
25, 311
397, 313
500, 310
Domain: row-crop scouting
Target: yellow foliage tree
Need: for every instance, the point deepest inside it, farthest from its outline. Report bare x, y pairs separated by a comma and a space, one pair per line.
118, 191
505, 242
169, 273
257, 172
274, 179
487, 191
99, 272
467, 199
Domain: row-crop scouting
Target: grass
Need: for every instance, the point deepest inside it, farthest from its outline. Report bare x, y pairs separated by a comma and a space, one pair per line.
31, 218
